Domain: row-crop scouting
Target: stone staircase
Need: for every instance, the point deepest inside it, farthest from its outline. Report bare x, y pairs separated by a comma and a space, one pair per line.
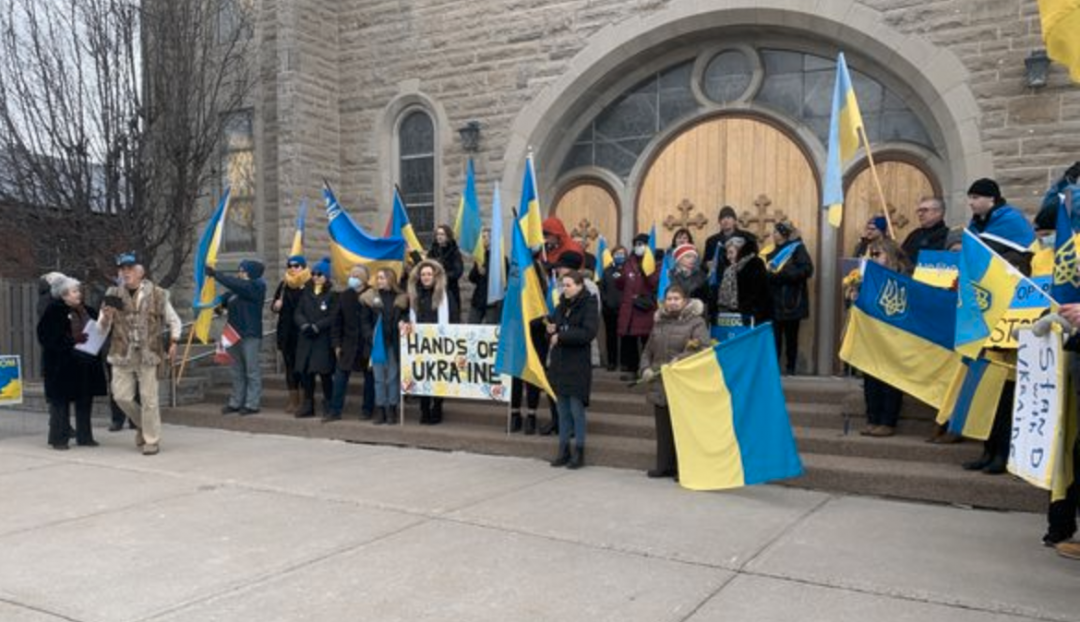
621, 434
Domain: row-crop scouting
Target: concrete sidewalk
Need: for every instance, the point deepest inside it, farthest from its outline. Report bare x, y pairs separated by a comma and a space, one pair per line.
226, 526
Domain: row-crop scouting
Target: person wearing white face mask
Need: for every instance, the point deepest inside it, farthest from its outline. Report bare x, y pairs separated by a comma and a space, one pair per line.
350, 350
638, 303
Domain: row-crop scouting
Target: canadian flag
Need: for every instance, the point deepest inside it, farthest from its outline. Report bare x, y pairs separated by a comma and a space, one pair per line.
229, 338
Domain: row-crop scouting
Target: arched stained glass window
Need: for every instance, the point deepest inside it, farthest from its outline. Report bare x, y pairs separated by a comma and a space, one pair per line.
416, 169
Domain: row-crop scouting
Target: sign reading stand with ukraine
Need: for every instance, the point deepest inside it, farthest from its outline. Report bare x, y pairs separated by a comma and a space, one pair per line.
11, 392
729, 415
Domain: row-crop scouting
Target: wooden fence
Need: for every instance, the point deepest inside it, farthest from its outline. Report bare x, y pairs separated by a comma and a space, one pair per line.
18, 322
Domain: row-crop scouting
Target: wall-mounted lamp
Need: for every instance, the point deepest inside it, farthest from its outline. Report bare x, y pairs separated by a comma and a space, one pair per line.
1037, 68
470, 136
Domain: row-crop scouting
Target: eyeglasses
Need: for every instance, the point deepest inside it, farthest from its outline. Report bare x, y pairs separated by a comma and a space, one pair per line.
875, 253
317, 274
295, 265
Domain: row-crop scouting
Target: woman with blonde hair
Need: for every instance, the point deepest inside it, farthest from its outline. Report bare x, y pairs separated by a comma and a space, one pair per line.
387, 303
883, 401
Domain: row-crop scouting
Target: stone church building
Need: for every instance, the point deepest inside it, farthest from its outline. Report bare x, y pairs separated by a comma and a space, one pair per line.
641, 112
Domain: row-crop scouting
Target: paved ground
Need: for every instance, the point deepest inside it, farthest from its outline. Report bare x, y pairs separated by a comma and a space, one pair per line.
225, 526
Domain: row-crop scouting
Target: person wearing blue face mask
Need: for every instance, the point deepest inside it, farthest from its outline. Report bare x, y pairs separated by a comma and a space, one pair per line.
611, 299
350, 349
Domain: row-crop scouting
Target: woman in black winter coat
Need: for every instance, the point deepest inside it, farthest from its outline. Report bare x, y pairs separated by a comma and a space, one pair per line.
70, 375
314, 318
445, 251
744, 285
286, 299
387, 303
571, 332
350, 349
789, 267
611, 297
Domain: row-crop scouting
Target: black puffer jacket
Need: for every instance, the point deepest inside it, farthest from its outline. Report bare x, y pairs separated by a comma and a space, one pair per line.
314, 354
449, 257
576, 321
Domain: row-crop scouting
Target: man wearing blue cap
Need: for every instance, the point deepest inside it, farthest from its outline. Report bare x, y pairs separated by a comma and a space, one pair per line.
247, 294
138, 313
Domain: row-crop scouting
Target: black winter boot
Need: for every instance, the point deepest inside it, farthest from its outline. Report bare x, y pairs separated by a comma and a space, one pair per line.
307, 407
380, 416
530, 425
391, 415
563, 458
515, 422
436, 412
577, 458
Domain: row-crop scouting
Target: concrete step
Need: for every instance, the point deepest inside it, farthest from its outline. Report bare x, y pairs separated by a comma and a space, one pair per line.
872, 466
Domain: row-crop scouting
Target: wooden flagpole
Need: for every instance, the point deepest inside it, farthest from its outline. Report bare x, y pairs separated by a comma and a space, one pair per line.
891, 233
187, 350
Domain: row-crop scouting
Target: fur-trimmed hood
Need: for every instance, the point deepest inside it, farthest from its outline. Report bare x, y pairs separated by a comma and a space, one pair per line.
440, 283
370, 298
694, 307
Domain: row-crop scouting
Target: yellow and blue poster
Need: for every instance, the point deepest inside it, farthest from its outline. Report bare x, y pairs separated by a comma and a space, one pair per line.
11, 392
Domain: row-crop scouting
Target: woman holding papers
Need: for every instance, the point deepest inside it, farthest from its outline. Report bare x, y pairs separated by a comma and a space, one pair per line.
71, 375
570, 332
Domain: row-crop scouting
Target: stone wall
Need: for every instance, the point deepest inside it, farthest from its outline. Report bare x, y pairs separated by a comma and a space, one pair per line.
333, 69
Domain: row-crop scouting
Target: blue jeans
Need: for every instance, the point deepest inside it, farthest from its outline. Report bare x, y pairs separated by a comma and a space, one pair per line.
387, 382
341, 386
571, 413
246, 374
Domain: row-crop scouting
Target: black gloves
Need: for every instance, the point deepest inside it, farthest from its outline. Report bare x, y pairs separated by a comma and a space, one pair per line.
309, 330
209, 270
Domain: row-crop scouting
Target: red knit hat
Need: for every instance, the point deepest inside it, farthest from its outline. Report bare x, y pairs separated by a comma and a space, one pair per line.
684, 249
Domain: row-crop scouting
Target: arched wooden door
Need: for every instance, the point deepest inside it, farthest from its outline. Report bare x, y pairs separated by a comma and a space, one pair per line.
903, 184
589, 207
744, 162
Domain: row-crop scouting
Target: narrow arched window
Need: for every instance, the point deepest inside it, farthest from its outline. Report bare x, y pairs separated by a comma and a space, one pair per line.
416, 169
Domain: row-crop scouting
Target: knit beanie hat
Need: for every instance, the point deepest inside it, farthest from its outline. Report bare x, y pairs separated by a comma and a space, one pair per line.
298, 259
985, 188
684, 249
61, 284
727, 212
880, 223
323, 267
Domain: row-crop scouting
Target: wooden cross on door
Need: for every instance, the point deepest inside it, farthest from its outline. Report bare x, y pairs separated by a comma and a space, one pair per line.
585, 229
899, 221
759, 222
685, 221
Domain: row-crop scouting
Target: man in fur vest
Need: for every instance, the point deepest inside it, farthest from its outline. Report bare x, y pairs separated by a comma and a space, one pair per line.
138, 313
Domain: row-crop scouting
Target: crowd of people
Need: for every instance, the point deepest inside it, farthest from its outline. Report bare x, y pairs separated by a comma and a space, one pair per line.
330, 336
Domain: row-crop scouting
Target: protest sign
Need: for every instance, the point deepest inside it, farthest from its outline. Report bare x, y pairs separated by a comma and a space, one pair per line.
11, 392
1037, 431
453, 360
1029, 303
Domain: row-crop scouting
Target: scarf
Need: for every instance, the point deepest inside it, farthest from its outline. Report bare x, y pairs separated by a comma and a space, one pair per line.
780, 260
728, 296
297, 280
443, 311
79, 318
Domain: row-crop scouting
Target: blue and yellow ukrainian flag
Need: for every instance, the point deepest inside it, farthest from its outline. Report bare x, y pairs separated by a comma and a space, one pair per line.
1066, 285
1060, 23
378, 345
399, 225
986, 286
604, 257
665, 276
648, 261
206, 255
298, 237
844, 130
901, 331
973, 398
529, 215
468, 224
350, 245
729, 416
524, 303
496, 282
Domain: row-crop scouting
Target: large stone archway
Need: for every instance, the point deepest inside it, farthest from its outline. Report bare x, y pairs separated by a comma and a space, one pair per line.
933, 77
